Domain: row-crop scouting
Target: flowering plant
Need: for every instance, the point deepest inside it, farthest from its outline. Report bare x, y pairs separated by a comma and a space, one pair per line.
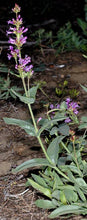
63, 172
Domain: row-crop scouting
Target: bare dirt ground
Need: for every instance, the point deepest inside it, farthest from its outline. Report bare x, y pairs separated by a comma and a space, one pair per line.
17, 202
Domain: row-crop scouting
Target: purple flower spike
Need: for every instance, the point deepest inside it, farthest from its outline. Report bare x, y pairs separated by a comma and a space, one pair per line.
16, 30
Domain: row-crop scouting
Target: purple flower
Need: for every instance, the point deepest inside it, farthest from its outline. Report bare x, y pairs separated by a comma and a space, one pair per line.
28, 68
9, 56
71, 109
58, 106
67, 120
22, 40
52, 106
16, 30
72, 106
12, 41
11, 21
24, 61
68, 100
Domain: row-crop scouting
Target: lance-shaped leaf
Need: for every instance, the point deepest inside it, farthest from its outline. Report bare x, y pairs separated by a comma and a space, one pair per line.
84, 88
39, 180
27, 126
80, 193
53, 149
45, 204
65, 209
45, 191
31, 163
25, 99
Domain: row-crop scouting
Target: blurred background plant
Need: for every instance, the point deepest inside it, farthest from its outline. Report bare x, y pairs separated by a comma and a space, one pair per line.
63, 90
66, 39
6, 84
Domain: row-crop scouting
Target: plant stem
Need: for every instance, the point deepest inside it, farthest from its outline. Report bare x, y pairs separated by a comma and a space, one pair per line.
38, 137
64, 146
35, 126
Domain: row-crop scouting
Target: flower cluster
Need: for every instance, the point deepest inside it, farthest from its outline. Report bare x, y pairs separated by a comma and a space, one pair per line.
71, 109
16, 41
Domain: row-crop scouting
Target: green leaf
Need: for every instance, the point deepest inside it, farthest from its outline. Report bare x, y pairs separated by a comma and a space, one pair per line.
81, 181
50, 123
63, 106
83, 126
45, 191
26, 100
31, 98
33, 91
80, 193
65, 209
85, 169
63, 198
31, 163
57, 181
39, 180
70, 167
70, 195
56, 194
84, 88
84, 118
70, 175
27, 126
83, 122
54, 130
64, 129
45, 204
53, 150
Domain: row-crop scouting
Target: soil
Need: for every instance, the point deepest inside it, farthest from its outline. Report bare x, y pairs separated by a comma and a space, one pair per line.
17, 202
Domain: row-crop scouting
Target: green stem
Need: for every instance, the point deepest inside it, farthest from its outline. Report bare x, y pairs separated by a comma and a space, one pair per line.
64, 146
35, 126
38, 137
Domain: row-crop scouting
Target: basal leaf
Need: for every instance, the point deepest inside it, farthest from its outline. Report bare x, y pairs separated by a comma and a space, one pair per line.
45, 191
57, 181
81, 182
45, 204
65, 209
56, 194
63, 198
39, 180
70, 195
31, 163
80, 193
